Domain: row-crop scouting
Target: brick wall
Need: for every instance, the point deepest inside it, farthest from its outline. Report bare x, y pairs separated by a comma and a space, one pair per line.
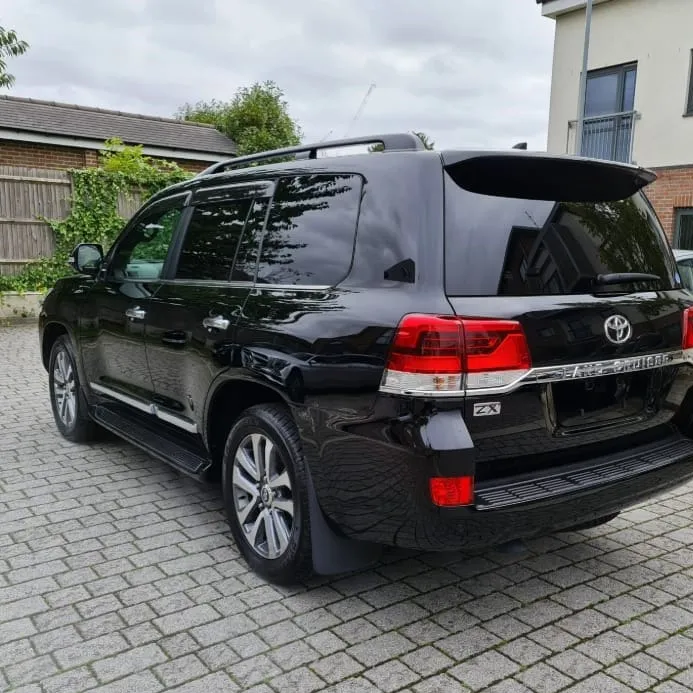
672, 189
36, 155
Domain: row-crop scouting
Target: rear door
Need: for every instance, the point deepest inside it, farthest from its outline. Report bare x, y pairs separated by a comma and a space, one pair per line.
191, 324
573, 252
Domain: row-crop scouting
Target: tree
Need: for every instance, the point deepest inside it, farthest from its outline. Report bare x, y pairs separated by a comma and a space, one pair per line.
10, 47
427, 143
256, 119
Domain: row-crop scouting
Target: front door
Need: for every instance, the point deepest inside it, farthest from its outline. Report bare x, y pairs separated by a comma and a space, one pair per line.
191, 322
114, 355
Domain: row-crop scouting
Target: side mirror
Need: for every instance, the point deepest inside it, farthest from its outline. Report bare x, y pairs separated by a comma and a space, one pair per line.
86, 258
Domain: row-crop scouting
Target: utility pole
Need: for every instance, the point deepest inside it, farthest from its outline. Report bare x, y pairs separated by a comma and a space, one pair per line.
583, 79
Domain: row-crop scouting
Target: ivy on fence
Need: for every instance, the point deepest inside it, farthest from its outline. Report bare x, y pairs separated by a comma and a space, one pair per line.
94, 216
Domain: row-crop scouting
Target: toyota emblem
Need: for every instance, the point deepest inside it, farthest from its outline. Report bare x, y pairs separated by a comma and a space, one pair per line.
617, 329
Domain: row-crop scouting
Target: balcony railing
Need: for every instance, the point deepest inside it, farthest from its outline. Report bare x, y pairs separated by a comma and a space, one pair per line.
605, 137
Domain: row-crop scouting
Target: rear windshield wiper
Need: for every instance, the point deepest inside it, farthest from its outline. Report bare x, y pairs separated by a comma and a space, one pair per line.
625, 278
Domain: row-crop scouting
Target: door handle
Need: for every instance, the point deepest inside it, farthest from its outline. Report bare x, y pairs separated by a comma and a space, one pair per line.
135, 313
216, 323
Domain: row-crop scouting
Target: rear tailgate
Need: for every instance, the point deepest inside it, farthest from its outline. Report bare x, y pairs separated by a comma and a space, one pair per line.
572, 251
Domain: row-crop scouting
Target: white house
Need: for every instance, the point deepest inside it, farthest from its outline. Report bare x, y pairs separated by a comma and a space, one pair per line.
639, 101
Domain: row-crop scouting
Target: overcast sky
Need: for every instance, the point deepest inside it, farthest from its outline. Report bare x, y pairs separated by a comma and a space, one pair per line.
467, 72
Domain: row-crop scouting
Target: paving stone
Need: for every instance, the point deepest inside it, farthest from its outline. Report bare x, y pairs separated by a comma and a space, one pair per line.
574, 664
73, 681
186, 619
480, 672
90, 650
633, 678
650, 665
391, 676
35, 669
179, 671
676, 651
601, 683
587, 623
427, 661
293, 655
669, 619
542, 678
380, 649
302, 679
144, 682
440, 684
250, 671
608, 648
336, 667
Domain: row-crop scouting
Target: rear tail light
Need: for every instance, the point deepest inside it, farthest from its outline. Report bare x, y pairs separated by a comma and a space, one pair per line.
432, 354
688, 333
448, 492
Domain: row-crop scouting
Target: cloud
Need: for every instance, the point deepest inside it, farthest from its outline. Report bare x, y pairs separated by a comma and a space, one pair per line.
468, 73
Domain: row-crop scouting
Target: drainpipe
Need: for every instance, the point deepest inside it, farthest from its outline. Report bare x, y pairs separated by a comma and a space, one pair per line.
583, 79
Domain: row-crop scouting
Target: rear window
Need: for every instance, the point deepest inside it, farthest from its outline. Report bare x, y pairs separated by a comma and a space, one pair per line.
500, 246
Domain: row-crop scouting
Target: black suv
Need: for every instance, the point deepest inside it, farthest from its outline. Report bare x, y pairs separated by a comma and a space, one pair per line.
435, 350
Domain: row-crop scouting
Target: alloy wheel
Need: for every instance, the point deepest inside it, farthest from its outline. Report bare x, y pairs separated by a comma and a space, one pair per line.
263, 496
64, 389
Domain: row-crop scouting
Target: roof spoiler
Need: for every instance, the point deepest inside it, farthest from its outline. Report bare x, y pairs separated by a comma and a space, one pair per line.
545, 176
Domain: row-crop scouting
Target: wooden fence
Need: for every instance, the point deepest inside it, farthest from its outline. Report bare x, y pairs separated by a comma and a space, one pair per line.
26, 196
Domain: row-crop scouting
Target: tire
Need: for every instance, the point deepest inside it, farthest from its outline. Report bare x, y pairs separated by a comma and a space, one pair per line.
275, 543
70, 411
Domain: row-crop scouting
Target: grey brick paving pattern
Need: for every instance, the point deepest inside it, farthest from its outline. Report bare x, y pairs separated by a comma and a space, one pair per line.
119, 575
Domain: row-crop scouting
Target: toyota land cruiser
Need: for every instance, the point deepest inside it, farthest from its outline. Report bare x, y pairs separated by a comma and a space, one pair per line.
435, 350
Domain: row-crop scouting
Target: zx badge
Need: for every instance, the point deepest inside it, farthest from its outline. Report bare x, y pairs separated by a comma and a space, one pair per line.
487, 409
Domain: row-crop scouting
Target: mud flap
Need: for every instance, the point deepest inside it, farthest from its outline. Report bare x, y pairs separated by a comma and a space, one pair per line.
332, 553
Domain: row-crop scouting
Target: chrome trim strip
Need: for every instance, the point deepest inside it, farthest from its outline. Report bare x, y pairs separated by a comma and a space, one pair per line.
176, 420
126, 399
152, 409
555, 374
265, 186
292, 287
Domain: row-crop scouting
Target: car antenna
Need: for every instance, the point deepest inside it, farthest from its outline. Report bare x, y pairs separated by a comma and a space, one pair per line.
520, 145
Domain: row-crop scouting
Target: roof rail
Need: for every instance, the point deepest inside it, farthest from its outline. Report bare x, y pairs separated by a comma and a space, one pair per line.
397, 141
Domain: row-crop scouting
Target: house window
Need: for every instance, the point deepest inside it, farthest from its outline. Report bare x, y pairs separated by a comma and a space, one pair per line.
684, 228
609, 117
689, 100
611, 90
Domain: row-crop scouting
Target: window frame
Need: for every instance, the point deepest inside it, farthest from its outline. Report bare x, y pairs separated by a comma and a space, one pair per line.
309, 287
259, 188
619, 70
680, 212
160, 206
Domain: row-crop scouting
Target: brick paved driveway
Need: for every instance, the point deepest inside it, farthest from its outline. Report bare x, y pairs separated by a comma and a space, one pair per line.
118, 574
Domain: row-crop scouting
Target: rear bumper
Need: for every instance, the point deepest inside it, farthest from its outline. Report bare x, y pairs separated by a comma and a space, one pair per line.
381, 494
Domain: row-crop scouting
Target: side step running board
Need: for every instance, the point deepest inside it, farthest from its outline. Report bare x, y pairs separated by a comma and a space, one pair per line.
154, 440
503, 493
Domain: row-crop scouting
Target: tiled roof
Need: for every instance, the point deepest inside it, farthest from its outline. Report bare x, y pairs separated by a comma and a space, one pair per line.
67, 120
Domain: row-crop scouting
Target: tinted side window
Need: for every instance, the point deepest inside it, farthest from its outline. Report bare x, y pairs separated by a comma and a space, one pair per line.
513, 247
211, 240
309, 238
249, 247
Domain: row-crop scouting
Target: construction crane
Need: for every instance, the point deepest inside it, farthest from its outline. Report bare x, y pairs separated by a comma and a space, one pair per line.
360, 108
